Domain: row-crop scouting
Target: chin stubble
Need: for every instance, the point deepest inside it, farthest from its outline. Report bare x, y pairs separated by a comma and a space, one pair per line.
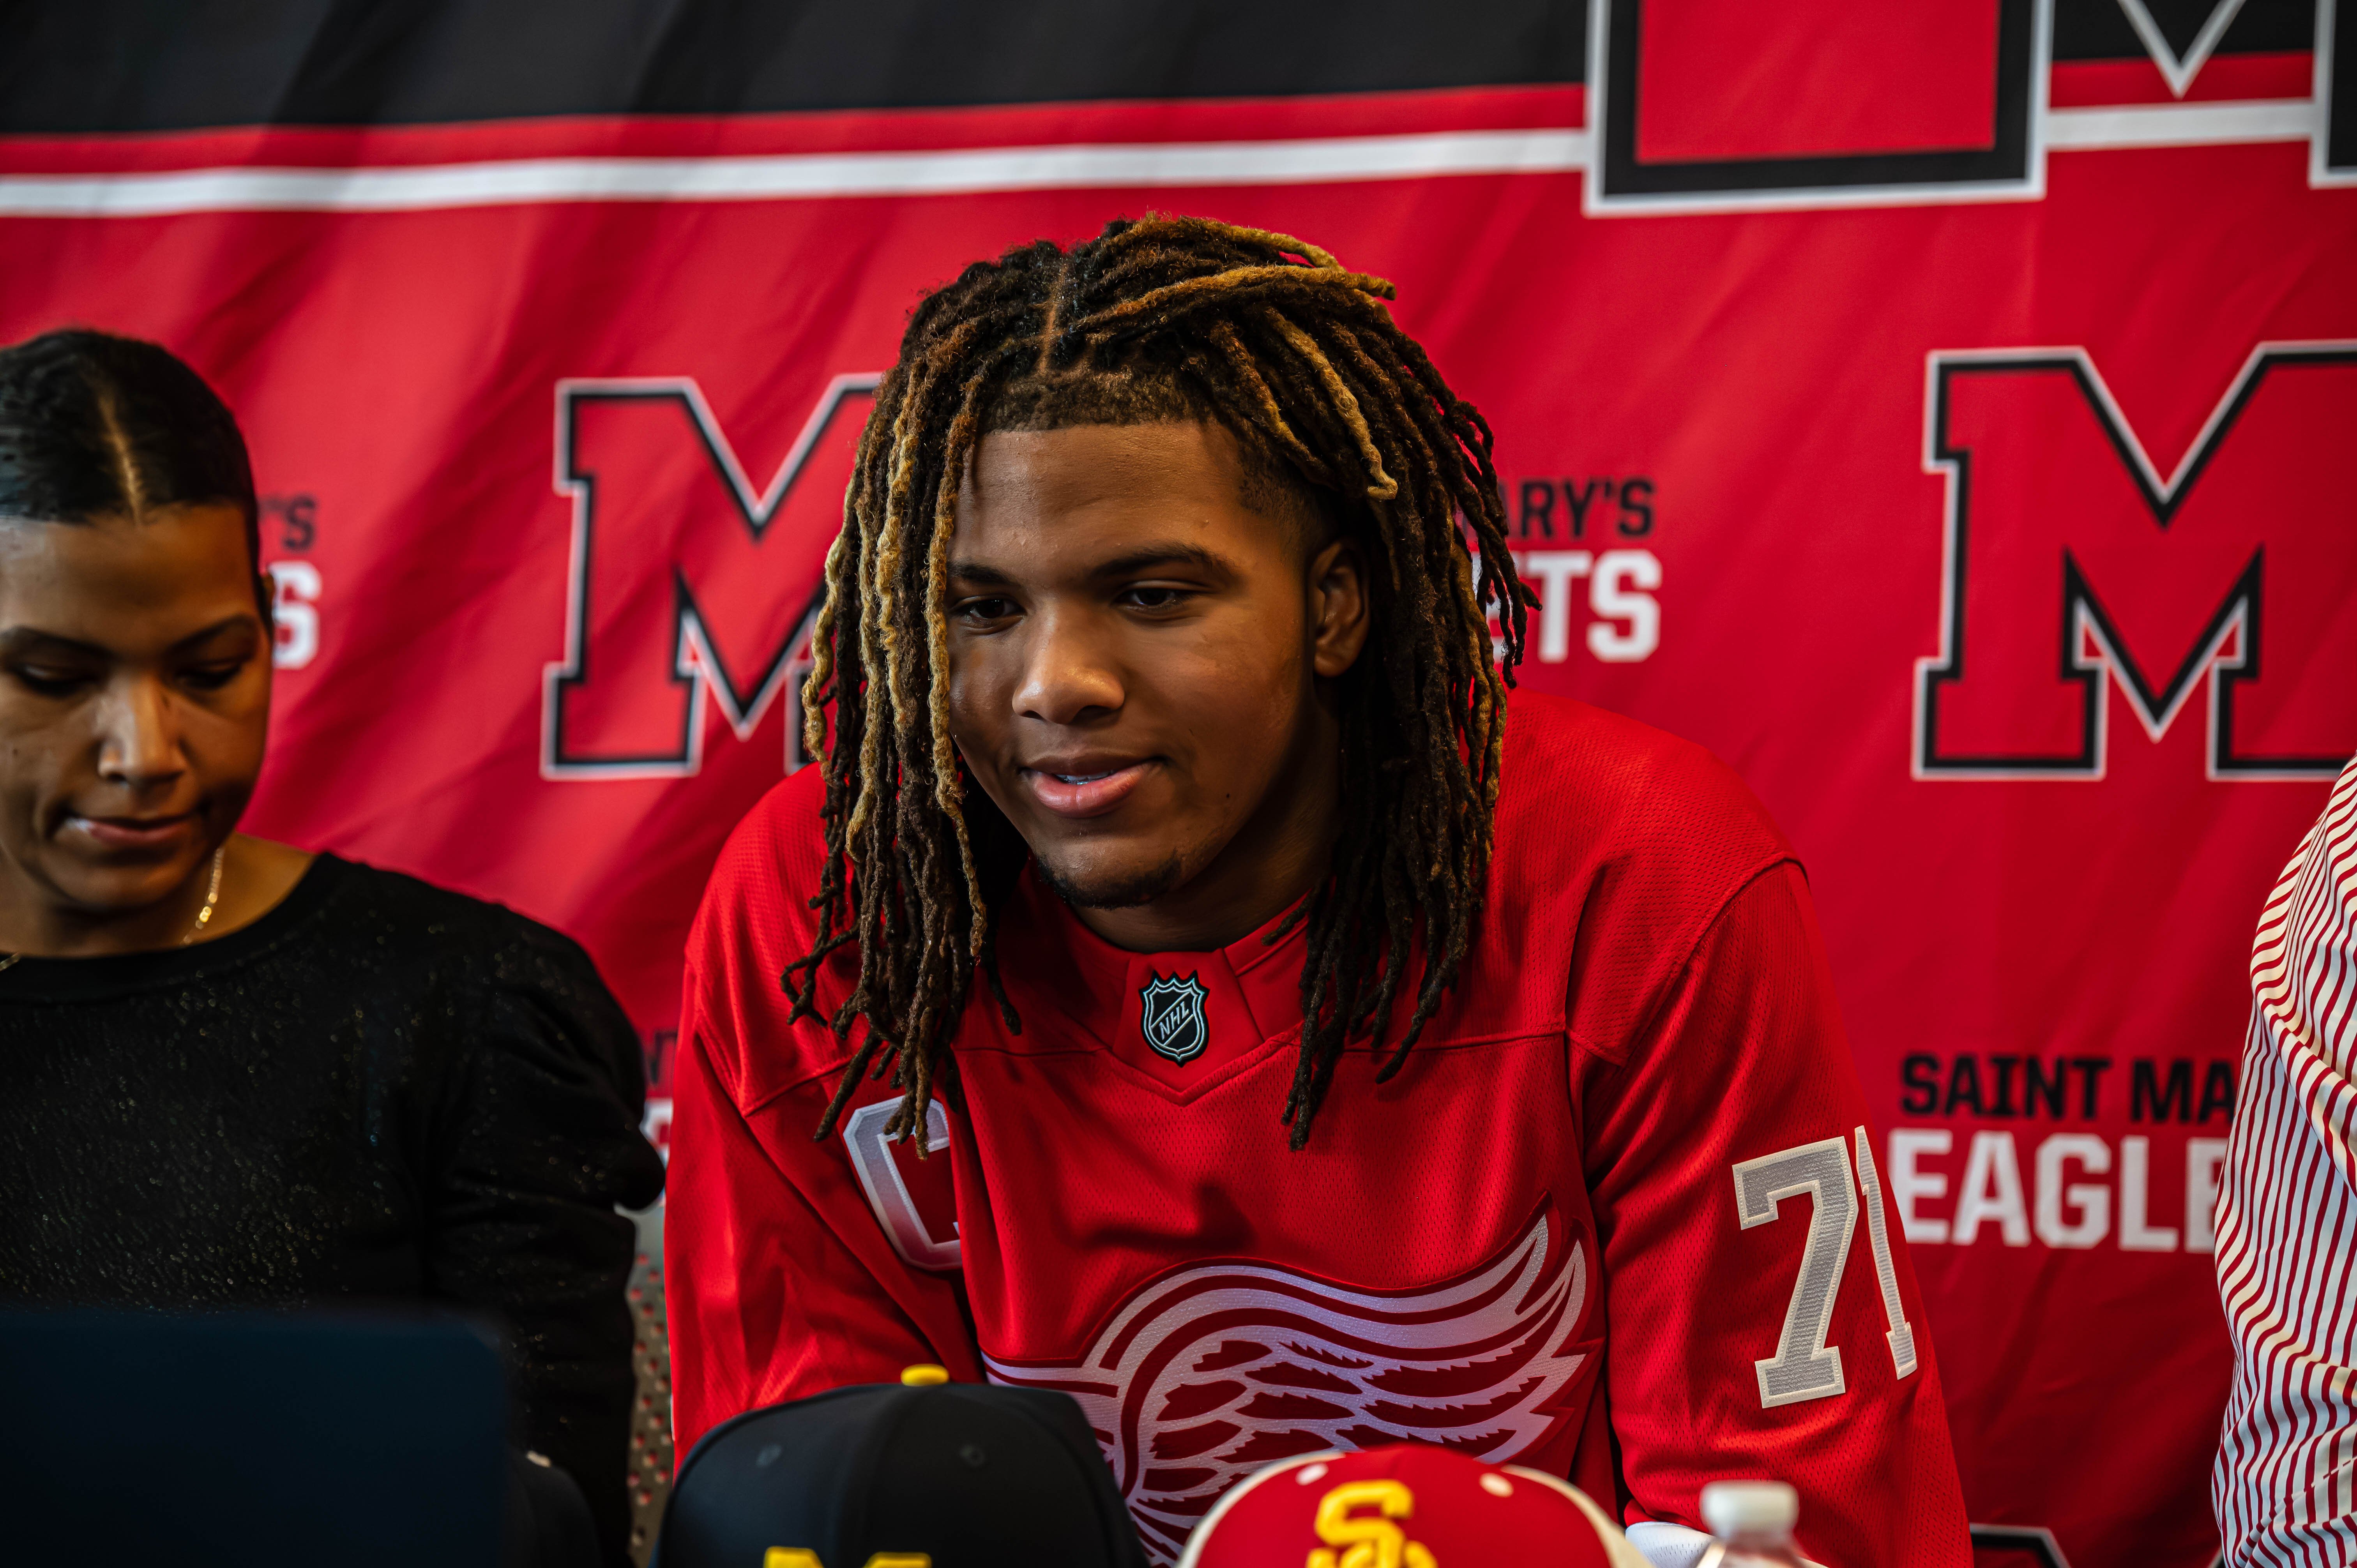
1112, 892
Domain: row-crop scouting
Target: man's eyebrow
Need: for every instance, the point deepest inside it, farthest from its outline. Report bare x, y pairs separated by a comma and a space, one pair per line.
1128, 563
1165, 553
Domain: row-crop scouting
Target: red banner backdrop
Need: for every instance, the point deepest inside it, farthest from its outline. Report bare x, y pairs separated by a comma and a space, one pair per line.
1958, 446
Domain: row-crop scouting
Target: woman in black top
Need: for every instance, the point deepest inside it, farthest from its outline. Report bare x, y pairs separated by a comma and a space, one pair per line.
233, 1072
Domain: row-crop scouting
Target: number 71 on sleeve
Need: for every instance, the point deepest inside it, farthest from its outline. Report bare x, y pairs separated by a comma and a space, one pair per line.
1804, 1366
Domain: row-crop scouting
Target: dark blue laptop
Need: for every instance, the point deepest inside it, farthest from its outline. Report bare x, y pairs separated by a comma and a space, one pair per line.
251, 1439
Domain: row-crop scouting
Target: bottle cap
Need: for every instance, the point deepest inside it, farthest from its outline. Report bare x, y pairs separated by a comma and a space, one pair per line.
1749, 1508
925, 1375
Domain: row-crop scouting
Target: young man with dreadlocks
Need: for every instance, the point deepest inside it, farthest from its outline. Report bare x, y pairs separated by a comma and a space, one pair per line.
1316, 1048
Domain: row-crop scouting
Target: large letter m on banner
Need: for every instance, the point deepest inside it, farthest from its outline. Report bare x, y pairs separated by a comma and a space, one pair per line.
686, 585
2073, 569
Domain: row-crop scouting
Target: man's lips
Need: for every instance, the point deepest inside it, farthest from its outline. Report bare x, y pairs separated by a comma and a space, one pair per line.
136, 832
1084, 788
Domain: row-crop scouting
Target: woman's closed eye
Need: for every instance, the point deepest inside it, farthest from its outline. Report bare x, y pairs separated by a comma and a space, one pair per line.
213, 674
51, 680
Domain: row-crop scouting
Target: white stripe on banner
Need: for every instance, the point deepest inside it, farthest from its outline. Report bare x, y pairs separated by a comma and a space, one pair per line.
1295, 161
789, 175
2181, 124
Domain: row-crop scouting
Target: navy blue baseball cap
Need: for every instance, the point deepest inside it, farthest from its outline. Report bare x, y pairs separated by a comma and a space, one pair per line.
971, 1475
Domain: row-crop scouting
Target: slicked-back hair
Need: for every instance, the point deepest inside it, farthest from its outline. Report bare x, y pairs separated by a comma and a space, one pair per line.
93, 426
1299, 358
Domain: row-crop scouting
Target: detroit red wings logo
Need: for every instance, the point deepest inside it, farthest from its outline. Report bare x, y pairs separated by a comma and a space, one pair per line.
1215, 1369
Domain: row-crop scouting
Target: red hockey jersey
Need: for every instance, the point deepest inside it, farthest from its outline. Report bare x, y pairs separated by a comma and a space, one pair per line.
1617, 1216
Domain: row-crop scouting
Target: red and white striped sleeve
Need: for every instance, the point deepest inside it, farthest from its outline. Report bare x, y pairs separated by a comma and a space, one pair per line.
2286, 1485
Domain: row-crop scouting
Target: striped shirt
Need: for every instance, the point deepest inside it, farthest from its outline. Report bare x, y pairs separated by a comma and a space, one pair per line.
2287, 1248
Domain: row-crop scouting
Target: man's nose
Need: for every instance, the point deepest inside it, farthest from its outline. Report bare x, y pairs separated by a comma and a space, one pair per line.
139, 734
1069, 675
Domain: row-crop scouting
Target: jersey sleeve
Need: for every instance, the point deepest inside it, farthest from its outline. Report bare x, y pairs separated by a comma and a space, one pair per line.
1764, 1322
780, 1279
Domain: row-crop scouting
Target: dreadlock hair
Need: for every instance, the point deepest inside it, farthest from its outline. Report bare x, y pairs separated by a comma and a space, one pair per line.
1167, 319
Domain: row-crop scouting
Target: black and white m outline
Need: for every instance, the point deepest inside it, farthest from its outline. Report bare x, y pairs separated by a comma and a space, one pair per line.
698, 662
2012, 166
2085, 623
2333, 149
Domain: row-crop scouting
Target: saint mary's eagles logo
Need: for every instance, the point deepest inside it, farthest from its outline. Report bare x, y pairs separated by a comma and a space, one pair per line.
1172, 1016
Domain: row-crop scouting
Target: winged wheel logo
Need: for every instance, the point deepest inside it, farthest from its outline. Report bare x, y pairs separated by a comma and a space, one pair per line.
1215, 1369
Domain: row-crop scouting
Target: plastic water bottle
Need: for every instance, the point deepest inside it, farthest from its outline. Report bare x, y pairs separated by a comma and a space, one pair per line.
1751, 1525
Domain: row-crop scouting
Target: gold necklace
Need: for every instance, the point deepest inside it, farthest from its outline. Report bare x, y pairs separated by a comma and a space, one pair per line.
196, 927
212, 897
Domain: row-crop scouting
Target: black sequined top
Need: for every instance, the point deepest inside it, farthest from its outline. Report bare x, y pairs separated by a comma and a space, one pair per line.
377, 1091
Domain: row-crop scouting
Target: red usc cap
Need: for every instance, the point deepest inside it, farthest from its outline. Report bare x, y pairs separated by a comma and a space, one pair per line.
1408, 1505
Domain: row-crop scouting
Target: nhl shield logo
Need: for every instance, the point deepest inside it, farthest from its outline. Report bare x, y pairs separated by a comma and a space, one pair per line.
1172, 1016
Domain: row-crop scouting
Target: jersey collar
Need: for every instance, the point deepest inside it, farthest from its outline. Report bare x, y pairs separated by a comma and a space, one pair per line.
1177, 1016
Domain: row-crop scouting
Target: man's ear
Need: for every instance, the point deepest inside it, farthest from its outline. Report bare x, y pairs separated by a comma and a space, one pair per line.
1337, 607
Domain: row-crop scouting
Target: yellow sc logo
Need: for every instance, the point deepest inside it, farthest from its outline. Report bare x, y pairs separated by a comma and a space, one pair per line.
1367, 1539
803, 1557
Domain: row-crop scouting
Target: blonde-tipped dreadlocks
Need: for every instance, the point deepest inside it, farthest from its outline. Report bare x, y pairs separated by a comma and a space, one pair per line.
1170, 317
